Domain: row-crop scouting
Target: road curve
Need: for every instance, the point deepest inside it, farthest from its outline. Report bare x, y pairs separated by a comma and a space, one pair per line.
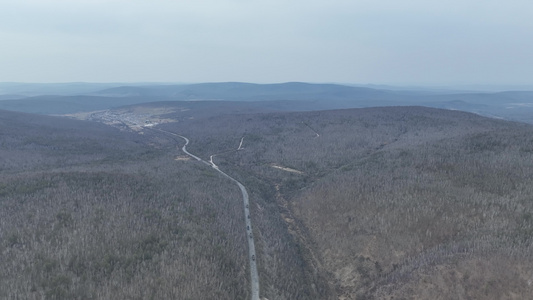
254, 277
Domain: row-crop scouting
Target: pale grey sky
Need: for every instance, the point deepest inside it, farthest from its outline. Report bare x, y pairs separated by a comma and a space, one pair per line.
350, 41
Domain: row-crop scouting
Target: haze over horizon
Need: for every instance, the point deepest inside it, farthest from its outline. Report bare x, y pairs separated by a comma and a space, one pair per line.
416, 42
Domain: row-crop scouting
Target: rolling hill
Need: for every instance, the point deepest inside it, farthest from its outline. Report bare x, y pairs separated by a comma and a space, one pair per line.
367, 203
396, 202
296, 96
91, 212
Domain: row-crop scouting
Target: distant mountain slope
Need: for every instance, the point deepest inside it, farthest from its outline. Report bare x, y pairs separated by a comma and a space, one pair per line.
310, 96
58, 105
11, 96
237, 91
512, 105
64, 89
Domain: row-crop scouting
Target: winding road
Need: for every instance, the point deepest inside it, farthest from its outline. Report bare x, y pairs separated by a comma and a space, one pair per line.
254, 277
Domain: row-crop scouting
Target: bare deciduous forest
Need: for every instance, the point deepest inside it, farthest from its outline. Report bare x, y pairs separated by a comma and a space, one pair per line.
374, 203
89, 212
393, 202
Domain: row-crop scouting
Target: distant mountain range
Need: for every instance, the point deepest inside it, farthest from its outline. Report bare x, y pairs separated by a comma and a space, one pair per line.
243, 91
80, 97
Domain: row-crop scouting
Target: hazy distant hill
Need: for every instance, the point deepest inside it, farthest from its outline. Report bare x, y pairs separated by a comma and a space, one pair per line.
11, 96
315, 96
236, 91
35, 89
512, 105
57, 105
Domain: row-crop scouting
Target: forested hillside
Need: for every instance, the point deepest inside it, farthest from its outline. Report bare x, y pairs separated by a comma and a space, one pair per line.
374, 203
399, 202
89, 212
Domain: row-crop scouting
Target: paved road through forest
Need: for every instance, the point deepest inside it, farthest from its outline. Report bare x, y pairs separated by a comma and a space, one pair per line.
254, 277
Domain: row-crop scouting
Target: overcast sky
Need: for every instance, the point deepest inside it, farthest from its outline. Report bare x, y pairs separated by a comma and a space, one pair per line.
423, 42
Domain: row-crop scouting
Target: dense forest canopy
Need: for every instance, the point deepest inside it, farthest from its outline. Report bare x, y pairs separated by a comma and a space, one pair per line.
375, 203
